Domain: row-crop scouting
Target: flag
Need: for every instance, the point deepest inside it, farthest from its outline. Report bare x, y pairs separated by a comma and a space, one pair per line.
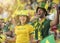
56, 1
49, 39
47, 5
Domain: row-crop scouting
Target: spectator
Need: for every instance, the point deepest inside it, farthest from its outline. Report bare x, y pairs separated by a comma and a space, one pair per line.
42, 24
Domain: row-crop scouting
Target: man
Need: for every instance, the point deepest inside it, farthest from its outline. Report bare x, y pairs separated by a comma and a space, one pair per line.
42, 24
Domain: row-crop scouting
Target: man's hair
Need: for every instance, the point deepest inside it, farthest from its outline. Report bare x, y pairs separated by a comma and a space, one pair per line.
42, 9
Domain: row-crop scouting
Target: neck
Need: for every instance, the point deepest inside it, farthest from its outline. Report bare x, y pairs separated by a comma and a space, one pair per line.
40, 19
42, 16
22, 23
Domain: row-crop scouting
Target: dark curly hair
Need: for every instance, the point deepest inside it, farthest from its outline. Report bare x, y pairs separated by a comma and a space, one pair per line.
42, 9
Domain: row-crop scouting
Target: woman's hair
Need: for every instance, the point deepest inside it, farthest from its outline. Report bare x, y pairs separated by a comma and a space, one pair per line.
18, 22
42, 9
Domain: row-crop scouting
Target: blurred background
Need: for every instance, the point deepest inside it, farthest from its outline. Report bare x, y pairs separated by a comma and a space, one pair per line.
10, 8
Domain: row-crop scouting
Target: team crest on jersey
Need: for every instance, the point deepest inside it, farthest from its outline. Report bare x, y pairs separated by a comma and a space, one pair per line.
21, 28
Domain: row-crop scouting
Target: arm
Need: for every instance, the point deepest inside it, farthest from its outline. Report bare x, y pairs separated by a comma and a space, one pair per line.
55, 21
10, 39
32, 39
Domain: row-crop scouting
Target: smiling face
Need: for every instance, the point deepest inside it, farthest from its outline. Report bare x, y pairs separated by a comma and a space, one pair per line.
23, 19
40, 13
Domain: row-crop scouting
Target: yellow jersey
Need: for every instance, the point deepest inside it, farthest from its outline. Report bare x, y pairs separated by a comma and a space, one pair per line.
22, 33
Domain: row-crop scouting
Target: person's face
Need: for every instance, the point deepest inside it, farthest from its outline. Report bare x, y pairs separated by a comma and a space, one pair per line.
40, 13
28, 7
23, 19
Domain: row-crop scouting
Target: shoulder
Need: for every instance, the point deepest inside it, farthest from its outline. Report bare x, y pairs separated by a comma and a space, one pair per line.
47, 21
29, 25
17, 26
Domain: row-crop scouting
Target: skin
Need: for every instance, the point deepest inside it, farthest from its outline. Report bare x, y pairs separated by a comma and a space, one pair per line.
28, 7
41, 14
22, 20
59, 15
1, 10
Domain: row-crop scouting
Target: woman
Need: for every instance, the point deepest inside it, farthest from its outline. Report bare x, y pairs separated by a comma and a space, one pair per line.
23, 30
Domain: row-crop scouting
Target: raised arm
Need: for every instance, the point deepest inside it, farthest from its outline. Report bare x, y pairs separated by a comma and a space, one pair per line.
55, 21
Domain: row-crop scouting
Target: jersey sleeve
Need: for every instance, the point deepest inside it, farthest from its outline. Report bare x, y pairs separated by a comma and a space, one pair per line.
15, 30
31, 29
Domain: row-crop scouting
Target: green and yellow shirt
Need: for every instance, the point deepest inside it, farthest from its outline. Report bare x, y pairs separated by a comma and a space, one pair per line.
41, 28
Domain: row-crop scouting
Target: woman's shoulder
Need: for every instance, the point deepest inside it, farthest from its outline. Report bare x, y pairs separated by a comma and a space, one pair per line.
29, 25
17, 26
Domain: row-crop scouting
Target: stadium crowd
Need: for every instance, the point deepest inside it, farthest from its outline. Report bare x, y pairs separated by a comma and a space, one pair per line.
29, 21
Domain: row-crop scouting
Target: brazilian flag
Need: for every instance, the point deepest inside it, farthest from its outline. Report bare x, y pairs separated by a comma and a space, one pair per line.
49, 39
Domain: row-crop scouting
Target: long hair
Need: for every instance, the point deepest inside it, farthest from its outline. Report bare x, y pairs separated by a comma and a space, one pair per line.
19, 23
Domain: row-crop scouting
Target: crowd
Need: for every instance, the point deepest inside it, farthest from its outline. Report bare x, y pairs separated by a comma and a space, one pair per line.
29, 21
